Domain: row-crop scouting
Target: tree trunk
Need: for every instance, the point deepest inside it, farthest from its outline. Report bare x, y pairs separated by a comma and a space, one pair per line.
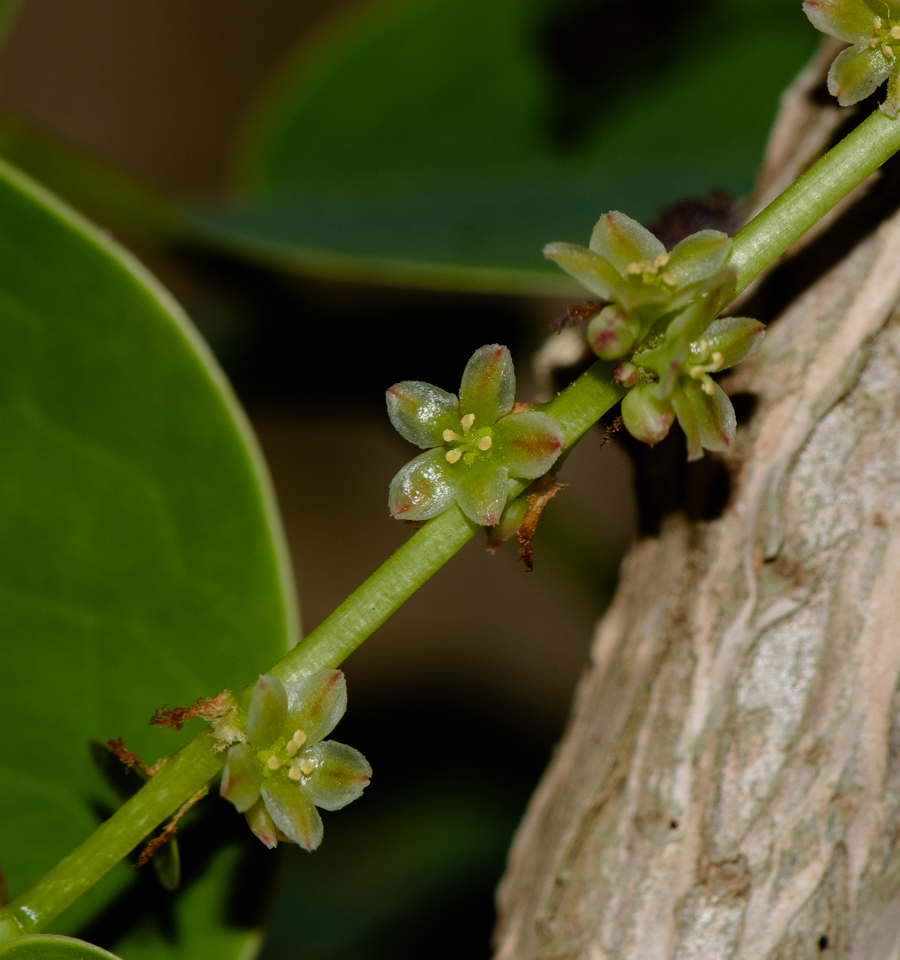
729, 785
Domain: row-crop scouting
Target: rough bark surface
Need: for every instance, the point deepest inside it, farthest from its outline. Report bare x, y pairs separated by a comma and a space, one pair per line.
729, 785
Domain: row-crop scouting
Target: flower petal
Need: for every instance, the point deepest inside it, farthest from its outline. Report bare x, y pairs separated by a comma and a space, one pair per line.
699, 256
293, 812
482, 491
488, 388
340, 777
708, 421
261, 824
734, 337
891, 105
623, 241
268, 711
588, 268
423, 488
242, 777
645, 417
845, 19
528, 443
857, 72
420, 412
317, 703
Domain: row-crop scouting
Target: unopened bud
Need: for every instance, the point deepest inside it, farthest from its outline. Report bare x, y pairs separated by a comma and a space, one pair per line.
626, 374
611, 334
645, 417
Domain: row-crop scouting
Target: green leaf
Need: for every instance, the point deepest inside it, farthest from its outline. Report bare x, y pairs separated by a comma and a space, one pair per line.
52, 947
143, 562
414, 141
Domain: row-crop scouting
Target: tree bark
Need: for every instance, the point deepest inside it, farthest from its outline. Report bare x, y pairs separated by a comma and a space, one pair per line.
729, 784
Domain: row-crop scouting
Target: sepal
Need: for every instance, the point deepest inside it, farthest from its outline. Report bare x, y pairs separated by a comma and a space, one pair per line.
261, 824
699, 257
293, 813
857, 72
268, 711
423, 488
340, 776
528, 443
735, 338
488, 388
623, 241
708, 421
317, 703
845, 19
421, 412
242, 777
481, 493
588, 268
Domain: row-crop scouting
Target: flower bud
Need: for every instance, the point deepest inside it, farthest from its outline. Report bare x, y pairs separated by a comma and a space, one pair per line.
510, 521
645, 417
626, 374
612, 333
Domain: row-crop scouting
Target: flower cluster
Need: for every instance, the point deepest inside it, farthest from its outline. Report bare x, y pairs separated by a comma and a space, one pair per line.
662, 312
873, 29
285, 769
473, 443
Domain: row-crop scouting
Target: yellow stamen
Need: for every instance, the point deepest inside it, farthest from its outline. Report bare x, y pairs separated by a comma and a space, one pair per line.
895, 33
449, 435
306, 766
873, 44
634, 268
294, 773
453, 456
662, 259
467, 422
299, 737
717, 359
484, 443
273, 763
876, 23
708, 387
886, 50
670, 279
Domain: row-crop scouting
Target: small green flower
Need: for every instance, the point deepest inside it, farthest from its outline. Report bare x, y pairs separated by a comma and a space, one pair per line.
873, 27
285, 769
683, 387
473, 444
631, 268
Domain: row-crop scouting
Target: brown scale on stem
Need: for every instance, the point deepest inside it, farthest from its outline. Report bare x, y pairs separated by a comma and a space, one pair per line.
211, 708
128, 759
544, 491
577, 313
171, 827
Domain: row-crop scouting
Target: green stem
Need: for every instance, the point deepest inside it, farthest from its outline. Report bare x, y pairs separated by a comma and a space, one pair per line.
395, 581
579, 406
810, 197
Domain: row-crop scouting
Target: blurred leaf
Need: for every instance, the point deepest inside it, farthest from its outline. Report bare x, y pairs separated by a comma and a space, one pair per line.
443, 142
96, 188
50, 947
143, 562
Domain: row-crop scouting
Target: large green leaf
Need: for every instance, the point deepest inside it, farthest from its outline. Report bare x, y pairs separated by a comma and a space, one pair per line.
52, 947
142, 559
445, 141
